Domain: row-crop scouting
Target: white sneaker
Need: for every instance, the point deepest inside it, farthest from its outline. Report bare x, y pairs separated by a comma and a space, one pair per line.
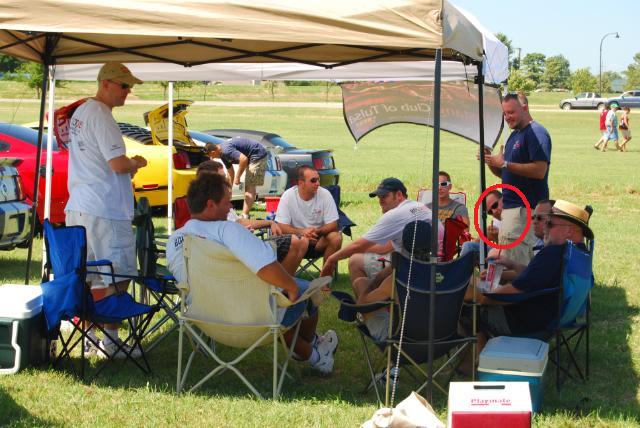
89, 349
381, 378
327, 343
325, 364
112, 349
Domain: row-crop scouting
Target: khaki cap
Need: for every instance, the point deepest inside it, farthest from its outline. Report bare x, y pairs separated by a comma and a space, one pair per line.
117, 72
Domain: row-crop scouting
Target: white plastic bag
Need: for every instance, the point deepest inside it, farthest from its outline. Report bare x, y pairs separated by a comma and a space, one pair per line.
414, 411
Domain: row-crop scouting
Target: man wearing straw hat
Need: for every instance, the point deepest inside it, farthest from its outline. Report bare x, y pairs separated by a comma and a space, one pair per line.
566, 222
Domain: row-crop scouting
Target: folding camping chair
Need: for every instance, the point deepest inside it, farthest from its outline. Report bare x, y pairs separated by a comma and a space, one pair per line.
68, 296
155, 278
570, 329
224, 301
344, 226
452, 280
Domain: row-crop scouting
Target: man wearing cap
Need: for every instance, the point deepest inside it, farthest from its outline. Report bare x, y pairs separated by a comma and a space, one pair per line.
99, 183
525, 165
566, 222
309, 210
251, 156
386, 235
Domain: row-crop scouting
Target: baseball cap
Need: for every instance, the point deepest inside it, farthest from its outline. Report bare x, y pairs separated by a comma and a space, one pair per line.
117, 72
387, 185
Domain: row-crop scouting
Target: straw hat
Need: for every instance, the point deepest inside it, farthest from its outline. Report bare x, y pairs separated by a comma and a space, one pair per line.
574, 214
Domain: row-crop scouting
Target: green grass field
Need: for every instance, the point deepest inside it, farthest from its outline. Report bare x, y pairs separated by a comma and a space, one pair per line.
608, 181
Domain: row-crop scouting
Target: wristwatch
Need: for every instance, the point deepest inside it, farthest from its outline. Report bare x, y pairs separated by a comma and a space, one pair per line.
505, 165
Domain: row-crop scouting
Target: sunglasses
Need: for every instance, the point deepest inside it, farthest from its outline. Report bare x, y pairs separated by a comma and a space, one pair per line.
445, 183
123, 86
314, 179
539, 217
492, 207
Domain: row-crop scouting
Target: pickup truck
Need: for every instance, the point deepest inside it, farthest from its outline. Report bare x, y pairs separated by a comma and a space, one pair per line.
585, 100
627, 99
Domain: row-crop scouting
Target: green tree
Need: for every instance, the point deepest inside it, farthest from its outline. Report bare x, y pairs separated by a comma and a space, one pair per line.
556, 72
9, 64
31, 73
633, 73
519, 81
608, 77
533, 65
583, 81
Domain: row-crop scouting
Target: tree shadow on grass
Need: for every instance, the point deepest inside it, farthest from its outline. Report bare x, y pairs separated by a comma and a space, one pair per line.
12, 414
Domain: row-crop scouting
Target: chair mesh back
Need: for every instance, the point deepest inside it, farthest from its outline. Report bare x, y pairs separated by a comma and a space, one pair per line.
221, 288
577, 281
66, 248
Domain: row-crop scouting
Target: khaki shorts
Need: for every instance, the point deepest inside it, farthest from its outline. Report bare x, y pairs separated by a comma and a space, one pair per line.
378, 324
513, 223
107, 239
372, 264
254, 176
626, 133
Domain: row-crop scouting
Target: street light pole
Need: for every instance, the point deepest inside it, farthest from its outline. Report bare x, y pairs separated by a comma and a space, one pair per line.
602, 40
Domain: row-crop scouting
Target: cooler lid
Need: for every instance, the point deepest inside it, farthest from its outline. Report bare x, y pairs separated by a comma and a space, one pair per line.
20, 301
514, 353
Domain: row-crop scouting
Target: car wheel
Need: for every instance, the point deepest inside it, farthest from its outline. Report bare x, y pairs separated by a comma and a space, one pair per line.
600, 106
566, 106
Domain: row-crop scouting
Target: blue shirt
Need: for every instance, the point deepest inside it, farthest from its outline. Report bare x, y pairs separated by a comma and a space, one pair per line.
232, 149
532, 143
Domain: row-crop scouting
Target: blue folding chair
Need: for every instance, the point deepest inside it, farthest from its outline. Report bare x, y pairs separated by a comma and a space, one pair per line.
68, 297
570, 328
452, 279
344, 226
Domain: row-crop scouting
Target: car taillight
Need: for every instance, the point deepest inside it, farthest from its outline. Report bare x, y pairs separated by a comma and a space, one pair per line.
19, 189
278, 164
181, 161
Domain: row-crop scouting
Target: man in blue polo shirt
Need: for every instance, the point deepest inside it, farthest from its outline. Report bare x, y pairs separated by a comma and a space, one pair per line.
251, 156
525, 165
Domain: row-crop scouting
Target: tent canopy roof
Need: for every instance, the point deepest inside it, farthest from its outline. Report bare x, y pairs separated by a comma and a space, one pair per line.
195, 32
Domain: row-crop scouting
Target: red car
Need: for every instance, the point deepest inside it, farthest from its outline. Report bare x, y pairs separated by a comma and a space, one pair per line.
21, 142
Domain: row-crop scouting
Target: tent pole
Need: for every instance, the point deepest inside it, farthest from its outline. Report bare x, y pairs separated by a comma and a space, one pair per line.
49, 161
170, 162
434, 216
50, 43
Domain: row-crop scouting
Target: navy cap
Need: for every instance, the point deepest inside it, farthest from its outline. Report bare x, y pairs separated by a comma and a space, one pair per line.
389, 185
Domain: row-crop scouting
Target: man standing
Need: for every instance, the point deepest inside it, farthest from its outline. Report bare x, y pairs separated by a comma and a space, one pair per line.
603, 128
251, 156
386, 235
447, 207
525, 165
309, 210
100, 192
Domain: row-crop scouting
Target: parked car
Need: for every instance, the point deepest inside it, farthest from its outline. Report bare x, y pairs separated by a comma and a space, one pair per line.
15, 208
20, 142
584, 100
275, 179
627, 99
290, 156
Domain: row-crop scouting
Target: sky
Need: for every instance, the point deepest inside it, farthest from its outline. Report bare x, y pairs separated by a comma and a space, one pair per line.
572, 28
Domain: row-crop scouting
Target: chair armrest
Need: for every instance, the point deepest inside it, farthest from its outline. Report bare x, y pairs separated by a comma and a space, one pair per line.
349, 308
520, 297
102, 262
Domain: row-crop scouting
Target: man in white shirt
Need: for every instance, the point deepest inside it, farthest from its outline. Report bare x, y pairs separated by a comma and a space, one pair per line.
386, 235
209, 199
99, 183
309, 210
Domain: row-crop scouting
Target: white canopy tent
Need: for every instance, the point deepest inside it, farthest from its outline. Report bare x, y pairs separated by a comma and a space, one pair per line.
327, 35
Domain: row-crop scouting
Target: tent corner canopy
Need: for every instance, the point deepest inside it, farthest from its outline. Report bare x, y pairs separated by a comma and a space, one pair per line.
199, 32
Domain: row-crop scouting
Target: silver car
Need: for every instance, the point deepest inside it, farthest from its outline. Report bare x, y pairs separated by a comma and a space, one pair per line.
584, 100
627, 99
15, 209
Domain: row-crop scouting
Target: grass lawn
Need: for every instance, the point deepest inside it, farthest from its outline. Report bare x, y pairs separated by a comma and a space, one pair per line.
608, 181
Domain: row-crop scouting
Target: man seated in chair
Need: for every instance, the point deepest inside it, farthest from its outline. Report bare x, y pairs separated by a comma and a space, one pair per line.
290, 249
209, 199
309, 210
566, 222
416, 240
385, 236
447, 207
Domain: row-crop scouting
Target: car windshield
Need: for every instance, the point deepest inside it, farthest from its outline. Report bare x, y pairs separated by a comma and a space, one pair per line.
279, 141
27, 135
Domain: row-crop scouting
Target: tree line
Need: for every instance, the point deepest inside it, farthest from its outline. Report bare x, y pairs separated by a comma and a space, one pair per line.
537, 71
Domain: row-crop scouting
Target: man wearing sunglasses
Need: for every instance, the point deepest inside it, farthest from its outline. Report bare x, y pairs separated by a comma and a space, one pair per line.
447, 207
525, 165
539, 220
565, 222
309, 210
99, 182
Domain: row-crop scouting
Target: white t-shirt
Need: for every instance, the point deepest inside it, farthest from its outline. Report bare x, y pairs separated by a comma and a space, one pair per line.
250, 250
392, 223
316, 212
94, 188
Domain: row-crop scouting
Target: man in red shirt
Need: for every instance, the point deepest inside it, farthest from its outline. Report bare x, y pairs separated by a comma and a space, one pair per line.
603, 128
